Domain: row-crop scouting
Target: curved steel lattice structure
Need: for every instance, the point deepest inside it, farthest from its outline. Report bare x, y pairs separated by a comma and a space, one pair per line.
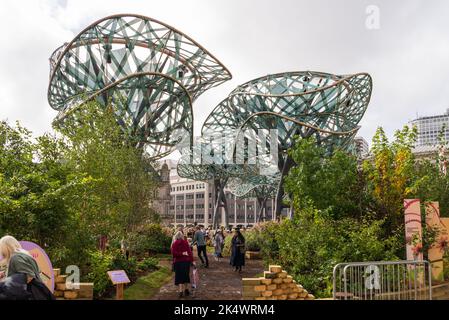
148, 70
328, 107
295, 103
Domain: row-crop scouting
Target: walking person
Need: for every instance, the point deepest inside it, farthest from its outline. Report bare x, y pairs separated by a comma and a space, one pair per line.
179, 229
195, 279
182, 259
21, 269
238, 251
218, 244
124, 247
200, 241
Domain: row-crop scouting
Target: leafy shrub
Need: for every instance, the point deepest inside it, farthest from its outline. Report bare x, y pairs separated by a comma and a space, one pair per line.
252, 241
308, 247
120, 262
148, 264
150, 239
101, 263
265, 234
227, 246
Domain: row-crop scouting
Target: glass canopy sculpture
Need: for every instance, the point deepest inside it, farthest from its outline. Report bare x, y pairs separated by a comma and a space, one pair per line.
149, 71
328, 107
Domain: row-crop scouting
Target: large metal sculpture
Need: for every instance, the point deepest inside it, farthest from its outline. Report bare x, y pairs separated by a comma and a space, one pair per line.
149, 71
328, 107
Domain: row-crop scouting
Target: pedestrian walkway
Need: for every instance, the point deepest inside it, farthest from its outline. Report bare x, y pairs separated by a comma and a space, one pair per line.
218, 282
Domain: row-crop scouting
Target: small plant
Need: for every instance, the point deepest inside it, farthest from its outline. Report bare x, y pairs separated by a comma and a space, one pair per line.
147, 264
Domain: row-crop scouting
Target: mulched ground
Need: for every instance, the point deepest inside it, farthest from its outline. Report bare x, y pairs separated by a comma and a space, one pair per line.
218, 282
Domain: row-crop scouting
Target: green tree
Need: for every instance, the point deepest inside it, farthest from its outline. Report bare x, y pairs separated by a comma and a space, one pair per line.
329, 182
65, 190
390, 174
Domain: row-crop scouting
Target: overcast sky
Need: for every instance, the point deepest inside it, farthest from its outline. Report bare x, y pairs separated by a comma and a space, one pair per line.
408, 56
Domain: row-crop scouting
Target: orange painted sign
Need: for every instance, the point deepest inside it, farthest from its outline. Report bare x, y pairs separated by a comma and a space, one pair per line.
436, 251
413, 229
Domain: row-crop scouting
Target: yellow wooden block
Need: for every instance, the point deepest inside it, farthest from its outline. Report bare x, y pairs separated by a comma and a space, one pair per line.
288, 279
272, 287
292, 296
267, 293
57, 272
61, 279
278, 292
275, 268
61, 287
282, 274
251, 281
70, 295
260, 288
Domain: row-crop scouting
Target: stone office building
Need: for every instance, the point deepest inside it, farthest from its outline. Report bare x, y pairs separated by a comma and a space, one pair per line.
187, 202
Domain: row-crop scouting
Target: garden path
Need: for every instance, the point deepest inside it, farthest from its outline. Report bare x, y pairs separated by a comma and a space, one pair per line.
218, 282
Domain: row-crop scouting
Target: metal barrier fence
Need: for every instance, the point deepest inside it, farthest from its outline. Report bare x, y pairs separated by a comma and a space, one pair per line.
384, 280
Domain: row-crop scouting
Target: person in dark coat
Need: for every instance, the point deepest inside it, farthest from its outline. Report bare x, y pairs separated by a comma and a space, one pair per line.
238, 251
182, 259
14, 287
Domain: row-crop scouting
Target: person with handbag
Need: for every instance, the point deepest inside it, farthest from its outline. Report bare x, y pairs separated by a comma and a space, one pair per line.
238, 251
182, 260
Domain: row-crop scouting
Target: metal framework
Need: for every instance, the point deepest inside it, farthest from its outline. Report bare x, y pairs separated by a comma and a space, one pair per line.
148, 70
328, 107
151, 74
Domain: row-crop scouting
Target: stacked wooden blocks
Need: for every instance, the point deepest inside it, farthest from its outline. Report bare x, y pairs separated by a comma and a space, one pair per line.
276, 284
71, 291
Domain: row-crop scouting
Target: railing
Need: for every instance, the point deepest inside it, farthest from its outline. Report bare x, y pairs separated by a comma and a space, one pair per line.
383, 280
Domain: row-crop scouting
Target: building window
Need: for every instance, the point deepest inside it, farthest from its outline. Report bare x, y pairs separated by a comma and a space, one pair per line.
200, 195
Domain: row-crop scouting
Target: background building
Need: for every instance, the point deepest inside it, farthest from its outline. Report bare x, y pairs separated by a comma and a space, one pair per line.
429, 129
361, 147
185, 202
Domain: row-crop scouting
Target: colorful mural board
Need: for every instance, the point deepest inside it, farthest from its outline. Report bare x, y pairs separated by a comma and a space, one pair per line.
43, 261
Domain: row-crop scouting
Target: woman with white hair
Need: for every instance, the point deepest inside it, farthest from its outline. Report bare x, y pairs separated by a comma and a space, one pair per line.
20, 263
18, 260
182, 259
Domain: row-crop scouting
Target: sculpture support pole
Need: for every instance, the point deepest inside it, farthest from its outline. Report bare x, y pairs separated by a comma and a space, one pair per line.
220, 202
216, 205
261, 216
224, 205
287, 165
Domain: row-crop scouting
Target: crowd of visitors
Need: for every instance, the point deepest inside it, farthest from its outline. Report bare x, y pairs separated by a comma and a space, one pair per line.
183, 243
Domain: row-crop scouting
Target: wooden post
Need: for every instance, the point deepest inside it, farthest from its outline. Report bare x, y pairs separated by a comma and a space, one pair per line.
119, 291
118, 278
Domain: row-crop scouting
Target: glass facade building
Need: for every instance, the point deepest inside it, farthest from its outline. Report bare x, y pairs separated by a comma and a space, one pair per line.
429, 129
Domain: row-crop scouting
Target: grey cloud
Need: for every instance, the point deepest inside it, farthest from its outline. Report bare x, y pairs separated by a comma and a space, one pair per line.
408, 56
